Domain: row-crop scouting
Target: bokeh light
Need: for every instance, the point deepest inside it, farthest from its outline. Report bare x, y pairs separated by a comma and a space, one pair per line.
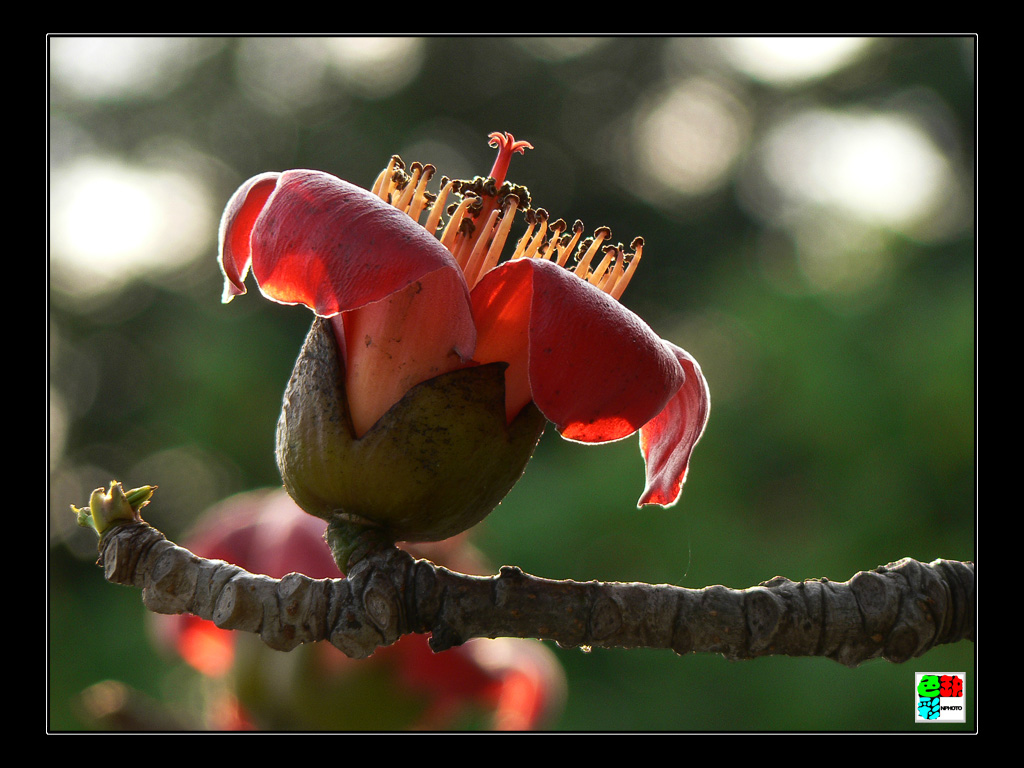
688, 139
556, 49
108, 68
789, 61
841, 184
112, 222
877, 167
283, 74
375, 67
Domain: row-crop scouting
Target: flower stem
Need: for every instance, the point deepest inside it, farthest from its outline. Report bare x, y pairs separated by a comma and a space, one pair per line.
351, 540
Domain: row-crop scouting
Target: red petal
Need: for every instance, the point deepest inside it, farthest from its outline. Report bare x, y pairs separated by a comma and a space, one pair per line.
502, 303
590, 365
314, 239
392, 345
666, 442
236, 228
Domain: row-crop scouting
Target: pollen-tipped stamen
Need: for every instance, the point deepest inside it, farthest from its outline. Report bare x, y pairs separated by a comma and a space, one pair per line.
549, 250
498, 241
421, 198
634, 261
595, 276
403, 200
538, 238
531, 222
583, 267
613, 273
464, 241
451, 230
474, 263
565, 251
437, 207
381, 187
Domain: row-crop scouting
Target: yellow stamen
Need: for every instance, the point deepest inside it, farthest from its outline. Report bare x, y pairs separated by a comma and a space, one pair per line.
549, 250
403, 201
384, 179
531, 222
620, 285
476, 258
595, 277
566, 251
464, 241
617, 270
452, 229
535, 243
498, 242
421, 197
379, 183
438, 205
583, 266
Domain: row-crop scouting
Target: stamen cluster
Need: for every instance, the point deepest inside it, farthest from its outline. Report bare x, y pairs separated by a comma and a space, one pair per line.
478, 225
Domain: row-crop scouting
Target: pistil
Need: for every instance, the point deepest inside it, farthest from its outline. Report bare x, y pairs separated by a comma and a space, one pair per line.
507, 146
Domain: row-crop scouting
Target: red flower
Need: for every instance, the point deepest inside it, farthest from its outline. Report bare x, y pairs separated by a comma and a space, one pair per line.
513, 684
407, 307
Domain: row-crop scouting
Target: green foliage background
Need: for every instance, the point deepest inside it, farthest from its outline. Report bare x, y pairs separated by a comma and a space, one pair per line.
842, 431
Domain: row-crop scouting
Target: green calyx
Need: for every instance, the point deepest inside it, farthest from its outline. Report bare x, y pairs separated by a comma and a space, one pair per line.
113, 507
434, 465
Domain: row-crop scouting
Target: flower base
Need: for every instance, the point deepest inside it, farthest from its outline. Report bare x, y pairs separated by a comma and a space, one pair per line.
434, 465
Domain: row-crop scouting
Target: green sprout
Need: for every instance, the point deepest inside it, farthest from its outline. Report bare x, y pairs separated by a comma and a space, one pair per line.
113, 507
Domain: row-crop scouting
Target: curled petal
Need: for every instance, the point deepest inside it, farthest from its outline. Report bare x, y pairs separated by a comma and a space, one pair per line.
314, 239
667, 440
590, 365
236, 228
401, 305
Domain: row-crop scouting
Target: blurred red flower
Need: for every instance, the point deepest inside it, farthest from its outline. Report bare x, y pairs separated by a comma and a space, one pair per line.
502, 684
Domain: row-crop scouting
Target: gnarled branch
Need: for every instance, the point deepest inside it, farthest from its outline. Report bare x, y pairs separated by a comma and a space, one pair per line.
897, 611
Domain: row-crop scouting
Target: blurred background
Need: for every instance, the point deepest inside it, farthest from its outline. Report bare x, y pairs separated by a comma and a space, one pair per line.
807, 206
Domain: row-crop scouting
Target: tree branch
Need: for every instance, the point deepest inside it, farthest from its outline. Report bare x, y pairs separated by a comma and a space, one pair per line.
897, 611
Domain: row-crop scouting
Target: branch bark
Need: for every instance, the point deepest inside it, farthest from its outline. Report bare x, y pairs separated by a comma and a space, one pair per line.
897, 611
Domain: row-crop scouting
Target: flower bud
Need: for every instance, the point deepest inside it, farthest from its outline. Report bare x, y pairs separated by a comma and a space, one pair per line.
434, 465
